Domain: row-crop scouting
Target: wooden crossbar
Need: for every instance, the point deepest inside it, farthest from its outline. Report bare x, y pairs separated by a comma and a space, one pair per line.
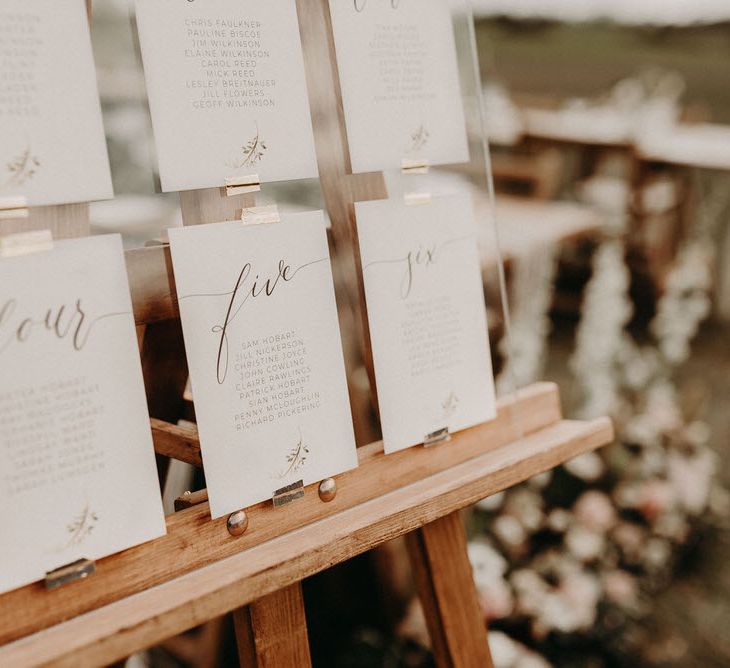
193, 540
254, 569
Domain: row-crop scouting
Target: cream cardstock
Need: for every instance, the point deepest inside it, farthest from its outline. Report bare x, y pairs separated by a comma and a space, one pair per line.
227, 91
78, 476
427, 317
52, 147
399, 78
263, 344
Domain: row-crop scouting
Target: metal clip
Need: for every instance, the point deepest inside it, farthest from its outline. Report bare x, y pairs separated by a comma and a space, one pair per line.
13, 208
435, 437
78, 570
414, 166
417, 199
288, 494
242, 185
26, 243
261, 215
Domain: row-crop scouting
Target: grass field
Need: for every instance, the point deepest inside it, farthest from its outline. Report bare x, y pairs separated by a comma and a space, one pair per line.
563, 60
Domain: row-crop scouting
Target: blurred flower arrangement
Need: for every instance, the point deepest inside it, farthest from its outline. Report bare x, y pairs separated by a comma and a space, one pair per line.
569, 558
524, 350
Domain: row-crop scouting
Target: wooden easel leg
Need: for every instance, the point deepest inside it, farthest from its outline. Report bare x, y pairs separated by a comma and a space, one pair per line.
272, 632
445, 584
165, 373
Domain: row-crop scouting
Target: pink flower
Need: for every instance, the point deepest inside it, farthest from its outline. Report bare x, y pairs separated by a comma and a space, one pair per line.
655, 497
511, 534
621, 588
496, 600
595, 511
582, 591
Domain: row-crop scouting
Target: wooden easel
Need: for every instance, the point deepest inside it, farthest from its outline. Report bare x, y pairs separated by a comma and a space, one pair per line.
199, 571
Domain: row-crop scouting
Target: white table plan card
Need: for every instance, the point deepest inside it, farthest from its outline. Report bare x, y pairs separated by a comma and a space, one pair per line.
263, 344
399, 78
428, 328
78, 476
227, 91
52, 146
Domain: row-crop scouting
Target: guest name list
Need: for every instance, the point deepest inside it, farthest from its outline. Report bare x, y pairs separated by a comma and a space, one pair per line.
227, 56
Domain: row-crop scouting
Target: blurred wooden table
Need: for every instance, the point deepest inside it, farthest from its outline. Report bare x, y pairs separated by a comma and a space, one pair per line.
523, 225
589, 126
701, 146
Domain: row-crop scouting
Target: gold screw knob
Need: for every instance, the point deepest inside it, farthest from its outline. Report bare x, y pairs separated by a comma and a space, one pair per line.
327, 490
237, 523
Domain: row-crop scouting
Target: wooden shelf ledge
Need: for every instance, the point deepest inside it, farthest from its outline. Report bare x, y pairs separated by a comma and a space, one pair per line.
531, 408
115, 630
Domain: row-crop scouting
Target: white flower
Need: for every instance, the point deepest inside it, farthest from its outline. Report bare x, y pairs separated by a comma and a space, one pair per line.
509, 532
508, 653
556, 614
657, 553
541, 480
600, 337
626, 494
530, 590
588, 466
584, 544
685, 302
559, 520
491, 503
532, 282
691, 479
487, 564
504, 650
659, 196
571, 607
582, 590
525, 505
